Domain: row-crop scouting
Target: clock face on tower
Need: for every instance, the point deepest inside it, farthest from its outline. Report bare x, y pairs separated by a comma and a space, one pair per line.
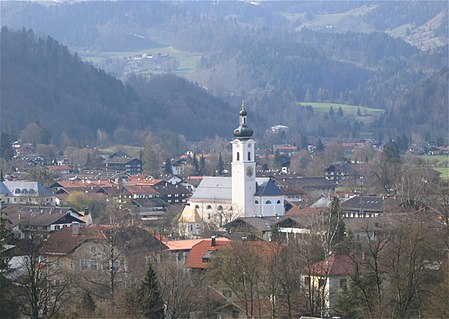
249, 171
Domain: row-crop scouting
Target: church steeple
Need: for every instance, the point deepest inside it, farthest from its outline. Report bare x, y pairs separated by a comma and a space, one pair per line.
243, 132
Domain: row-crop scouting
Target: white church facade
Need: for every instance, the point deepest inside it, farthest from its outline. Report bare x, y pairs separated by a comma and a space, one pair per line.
219, 200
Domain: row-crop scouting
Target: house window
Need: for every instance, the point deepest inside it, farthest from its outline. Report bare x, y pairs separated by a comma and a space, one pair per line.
93, 249
343, 283
84, 263
93, 264
307, 281
321, 283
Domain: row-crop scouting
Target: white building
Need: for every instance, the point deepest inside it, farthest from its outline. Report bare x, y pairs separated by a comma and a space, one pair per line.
219, 200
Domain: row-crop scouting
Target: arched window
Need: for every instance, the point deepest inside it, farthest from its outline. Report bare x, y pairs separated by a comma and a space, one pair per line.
238, 156
256, 202
197, 206
220, 207
208, 207
249, 156
278, 202
268, 202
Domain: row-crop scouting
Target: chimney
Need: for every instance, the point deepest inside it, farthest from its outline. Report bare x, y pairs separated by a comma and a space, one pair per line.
75, 228
86, 211
213, 241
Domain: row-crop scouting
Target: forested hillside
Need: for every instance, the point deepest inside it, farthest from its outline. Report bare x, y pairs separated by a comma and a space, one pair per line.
43, 82
275, 54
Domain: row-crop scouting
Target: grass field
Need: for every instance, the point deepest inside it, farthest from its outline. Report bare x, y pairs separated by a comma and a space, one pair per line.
348, 110
132, 151
187, 61
444, 172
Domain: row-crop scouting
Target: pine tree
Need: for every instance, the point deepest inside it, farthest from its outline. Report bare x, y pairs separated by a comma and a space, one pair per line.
151, 302
220, 165
167, 166
88, 302
202, 165
196, 166
319, 145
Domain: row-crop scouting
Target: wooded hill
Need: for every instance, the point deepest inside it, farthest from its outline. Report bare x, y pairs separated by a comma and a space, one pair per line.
275, 54
43, 82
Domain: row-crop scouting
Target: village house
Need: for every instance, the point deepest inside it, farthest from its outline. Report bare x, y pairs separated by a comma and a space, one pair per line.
44, 220
26, 193
127, 164
84, 254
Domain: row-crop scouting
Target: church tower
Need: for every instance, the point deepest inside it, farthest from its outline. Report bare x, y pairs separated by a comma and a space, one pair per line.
243, 168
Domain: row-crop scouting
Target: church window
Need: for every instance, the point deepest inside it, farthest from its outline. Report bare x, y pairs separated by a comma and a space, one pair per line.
278, 202
268, 202
208, 207
249, 156
197, 206
256, 202
238, 156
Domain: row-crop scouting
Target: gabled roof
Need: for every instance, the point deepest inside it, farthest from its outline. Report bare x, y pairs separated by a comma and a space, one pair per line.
33, 218
196, 258
260, 223
189, 215
336, 265
187, 244
267, 188
365, 203
213, 188
34, 189
131, 238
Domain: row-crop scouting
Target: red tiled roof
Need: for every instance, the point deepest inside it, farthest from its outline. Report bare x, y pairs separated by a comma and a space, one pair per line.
182, 244
99, 183
195, 258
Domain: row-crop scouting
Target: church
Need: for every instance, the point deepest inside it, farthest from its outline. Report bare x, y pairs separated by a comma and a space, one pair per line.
219, 200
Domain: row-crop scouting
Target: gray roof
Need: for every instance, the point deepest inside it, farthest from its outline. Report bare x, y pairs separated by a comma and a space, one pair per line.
37, 190
215, 188
260, 223
33, 218
4, 189
267, 188
367, 203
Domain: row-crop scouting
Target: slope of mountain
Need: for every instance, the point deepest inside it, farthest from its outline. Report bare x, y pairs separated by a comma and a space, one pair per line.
41, 81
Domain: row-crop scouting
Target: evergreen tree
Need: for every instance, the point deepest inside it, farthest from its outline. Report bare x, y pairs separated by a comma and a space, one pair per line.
331, 112
6, 150
196, 165
202, 165
151, 302
340, 112
358, 112
88, 302
304, 142
220, 165
319, 145
167, 166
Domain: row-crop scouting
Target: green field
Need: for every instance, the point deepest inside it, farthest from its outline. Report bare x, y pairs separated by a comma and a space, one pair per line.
348, 110
444, 172
132, 151
187, 62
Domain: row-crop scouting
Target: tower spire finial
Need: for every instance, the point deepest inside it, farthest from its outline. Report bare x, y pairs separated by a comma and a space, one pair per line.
243, 104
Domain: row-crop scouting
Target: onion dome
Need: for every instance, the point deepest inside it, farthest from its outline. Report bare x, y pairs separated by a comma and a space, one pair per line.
243, 132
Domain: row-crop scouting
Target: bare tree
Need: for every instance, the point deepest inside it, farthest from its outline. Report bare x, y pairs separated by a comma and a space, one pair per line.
41, 291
